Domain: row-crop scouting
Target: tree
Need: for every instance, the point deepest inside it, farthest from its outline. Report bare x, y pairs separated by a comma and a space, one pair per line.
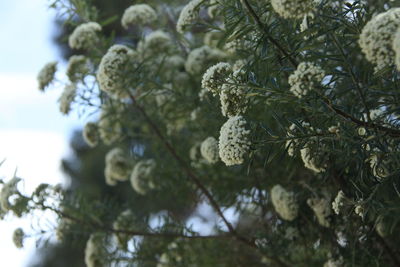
267, 108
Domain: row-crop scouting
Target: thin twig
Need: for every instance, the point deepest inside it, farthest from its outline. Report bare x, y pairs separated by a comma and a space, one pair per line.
130, 232
197, 182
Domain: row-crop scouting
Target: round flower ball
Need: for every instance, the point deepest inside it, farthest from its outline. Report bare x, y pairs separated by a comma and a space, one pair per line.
376, 39
209, 150
139, 14
84, 36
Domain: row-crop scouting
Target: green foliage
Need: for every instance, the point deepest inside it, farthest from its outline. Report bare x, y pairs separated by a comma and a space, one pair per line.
339, 134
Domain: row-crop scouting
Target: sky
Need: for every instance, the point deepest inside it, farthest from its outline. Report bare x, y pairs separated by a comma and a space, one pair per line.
33, 134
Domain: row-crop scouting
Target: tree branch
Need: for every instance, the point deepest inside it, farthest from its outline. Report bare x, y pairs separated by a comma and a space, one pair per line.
131, 232
261, 25
196, 181
389, 131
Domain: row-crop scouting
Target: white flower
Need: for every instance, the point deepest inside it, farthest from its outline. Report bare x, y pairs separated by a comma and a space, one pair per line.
195, 114
305, 78
154, 43
293, 8
113, 69
67, 97
339, 202
313, 160
215, 77
396, 49
234, 142
91, 134
291, 143
378, 166
322, 209
359, 210
202, 57
361, 131
77, 68
284, 202
209, 150
125, 221
18, 237
110, 128
142, 176
118, 166
139, 14
233, 96
377, 38
239, 64
84, 36
46, 75
94, 251
334, 129
188, 15
376, 113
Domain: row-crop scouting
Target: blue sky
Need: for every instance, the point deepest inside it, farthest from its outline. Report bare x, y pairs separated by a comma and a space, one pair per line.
33, 134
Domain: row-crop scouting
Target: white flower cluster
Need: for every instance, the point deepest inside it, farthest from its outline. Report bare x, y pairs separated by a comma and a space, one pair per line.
396, 49
284, 202
67, 97
377, 36
215, 77
91, 134
188, 15
322, 209
202, 57
172, 256
295, 9
112, 70
18, 237
233, 96
313, 160
140, 14
110, 128
95, 251
46, 75
124, 221
154, 43
77, 67
209, 150
118, 166
305, 78
359, 210
339, 202
378, 166
9, 189
142, 179
84, 36
234, 142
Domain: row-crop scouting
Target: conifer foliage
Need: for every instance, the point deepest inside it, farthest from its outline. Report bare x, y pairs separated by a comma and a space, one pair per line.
279, 115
